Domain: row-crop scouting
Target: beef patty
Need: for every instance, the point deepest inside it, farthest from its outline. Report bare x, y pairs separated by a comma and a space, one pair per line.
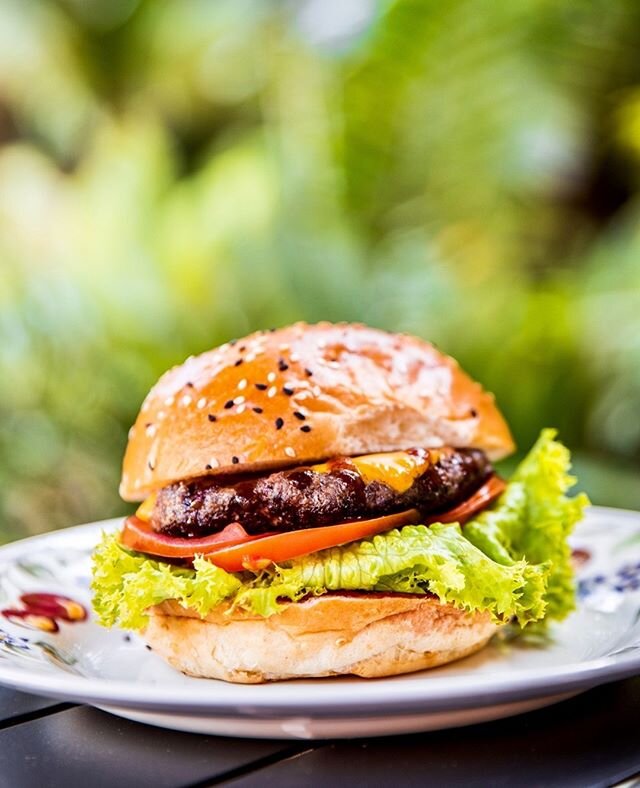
305, 498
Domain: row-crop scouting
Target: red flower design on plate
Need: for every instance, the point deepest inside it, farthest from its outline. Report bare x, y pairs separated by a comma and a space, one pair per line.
43, 611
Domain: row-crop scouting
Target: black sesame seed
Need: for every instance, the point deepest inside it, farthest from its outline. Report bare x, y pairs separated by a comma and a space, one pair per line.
189, 384
228, 404
287, 390
473, 412
152, 467
299, 415
261, 386
242, 348
127, 638
148, 648
308, 372
211, 417
279, 423
207, 467
271, 330
148, 424
305, 428
257, 410
238, 362
235, 460
232, 342
282, 365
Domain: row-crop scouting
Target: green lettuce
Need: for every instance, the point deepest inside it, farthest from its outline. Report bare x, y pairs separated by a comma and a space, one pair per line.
512, 560
126, 583
533, 519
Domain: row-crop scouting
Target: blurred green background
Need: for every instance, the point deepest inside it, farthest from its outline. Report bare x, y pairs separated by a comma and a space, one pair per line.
177, 172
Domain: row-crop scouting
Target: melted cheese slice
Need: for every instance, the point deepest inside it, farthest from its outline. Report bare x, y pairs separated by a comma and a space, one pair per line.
397, 469
143, 512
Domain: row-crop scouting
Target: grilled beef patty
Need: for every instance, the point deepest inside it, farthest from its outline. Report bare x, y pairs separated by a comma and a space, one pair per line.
305, 498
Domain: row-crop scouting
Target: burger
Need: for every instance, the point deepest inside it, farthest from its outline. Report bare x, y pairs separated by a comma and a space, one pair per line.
320, 500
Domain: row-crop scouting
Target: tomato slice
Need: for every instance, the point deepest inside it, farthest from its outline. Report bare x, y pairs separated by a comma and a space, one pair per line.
140, 536
266, 550
234, 549
481, 498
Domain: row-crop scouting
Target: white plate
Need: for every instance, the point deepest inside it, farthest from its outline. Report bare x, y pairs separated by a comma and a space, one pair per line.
111, 669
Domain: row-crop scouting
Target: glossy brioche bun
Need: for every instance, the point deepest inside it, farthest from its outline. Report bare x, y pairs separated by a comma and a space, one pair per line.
366, 635
339, 389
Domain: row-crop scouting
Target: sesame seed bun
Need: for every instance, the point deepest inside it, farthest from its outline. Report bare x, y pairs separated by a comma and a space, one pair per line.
368, 635
302, 394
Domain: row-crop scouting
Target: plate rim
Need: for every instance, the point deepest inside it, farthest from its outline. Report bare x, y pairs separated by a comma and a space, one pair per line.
419, 692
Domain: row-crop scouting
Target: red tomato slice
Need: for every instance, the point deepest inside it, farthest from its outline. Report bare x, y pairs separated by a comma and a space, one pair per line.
139, 536
292, 544
234, 550
479, 500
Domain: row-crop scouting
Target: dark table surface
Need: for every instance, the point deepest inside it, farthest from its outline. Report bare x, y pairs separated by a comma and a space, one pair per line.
591, 740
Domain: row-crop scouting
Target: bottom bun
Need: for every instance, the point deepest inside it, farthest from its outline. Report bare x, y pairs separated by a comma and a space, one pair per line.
367, 635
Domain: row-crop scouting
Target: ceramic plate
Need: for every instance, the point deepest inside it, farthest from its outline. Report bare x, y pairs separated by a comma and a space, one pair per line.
80, 661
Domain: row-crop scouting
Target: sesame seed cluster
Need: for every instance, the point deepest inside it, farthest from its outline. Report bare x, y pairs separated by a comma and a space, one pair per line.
288, 381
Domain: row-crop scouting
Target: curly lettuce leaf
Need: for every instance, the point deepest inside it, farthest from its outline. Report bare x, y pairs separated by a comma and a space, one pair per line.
511, 560
418, 559
533, 519
126, 583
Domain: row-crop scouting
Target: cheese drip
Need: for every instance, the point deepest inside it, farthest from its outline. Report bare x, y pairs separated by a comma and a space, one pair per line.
144, 511
397, 469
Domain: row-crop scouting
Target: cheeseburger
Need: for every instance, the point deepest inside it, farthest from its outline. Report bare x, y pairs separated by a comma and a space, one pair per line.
320, 500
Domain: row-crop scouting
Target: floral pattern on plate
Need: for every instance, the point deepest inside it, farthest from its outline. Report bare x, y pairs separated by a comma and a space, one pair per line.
35, 595
79, 660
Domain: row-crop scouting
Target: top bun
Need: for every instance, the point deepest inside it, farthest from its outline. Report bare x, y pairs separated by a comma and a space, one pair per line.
302, 394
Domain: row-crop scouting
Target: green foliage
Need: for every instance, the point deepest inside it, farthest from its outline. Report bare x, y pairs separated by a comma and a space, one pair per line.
176, 173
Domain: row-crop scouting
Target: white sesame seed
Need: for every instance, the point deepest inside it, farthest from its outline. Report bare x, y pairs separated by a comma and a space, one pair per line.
242, 384
145, 406
186, 400
238, 400
333, 364
224, 347
322, 343
169, 401
250, 357
317, 391
201, 403
272, 391
161, 415
132, 432
213, 462
284, 347
271, 377
289, 451
151, 430
241, 408
294, 357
